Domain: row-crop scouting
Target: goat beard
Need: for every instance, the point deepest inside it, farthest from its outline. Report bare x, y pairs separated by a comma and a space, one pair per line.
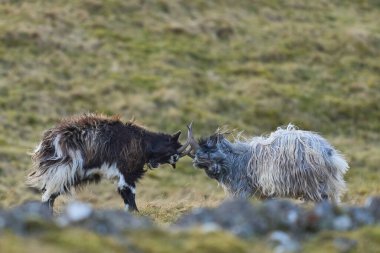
212, 169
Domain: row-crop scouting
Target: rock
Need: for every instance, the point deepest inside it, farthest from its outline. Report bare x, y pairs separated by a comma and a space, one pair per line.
196, 217
319, 218
373, 205
210, 227
2, 219
101, 221
29, 217
344, 245
32, 208
282, 214
287, 221
283, 242
76, 211
342, 223
360, 216
239, 217
115, 221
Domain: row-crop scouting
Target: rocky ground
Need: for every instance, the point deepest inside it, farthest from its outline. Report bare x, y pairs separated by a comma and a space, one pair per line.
276, 225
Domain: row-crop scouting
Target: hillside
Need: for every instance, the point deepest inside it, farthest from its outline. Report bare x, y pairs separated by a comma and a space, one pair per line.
252, 66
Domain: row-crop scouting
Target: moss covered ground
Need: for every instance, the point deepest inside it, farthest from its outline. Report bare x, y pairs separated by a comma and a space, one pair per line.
157, 241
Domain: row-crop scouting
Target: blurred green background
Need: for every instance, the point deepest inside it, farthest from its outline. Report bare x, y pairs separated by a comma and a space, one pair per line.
250, 65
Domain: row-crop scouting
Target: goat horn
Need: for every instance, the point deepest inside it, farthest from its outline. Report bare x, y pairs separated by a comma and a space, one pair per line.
184, 146
190, 141
193, 143
185, 152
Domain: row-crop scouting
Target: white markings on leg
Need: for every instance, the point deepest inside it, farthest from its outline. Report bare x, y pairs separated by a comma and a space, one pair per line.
126, 207
133, 190
46, 196
122, 184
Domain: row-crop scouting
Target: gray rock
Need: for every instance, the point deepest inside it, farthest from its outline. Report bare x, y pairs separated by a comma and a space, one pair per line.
283, 242
289, 221
101, 221
342, 223
27, 218
2, 219
239, 217
373, 205
282, 214
77, 211
360, 216
114, 222
32, 208
210, 227
195, 217
319, 218
74, 212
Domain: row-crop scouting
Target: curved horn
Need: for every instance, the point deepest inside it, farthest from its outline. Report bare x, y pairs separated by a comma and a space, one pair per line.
193, 143
186, 152
190, 141
184, 146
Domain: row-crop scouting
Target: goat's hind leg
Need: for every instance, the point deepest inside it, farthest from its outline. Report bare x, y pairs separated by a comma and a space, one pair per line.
48, 199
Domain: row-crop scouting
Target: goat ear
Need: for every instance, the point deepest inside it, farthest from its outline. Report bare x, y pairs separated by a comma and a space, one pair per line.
219, 138
175, 136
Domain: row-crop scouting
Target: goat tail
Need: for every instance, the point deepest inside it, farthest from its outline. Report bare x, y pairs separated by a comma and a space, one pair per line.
55, 169
337, 185
33, 180
340, 163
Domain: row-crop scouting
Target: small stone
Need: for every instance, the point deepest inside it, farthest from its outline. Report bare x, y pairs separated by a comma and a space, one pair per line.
284, 242
320, 218
210, 227
344, 245
2, 219
281, 214
239, 217
373, 205
77, 211
114, 222
361, 216
342, 223
28, 217
194, 218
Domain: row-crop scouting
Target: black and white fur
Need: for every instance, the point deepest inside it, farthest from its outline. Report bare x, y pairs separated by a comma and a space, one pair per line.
89, 147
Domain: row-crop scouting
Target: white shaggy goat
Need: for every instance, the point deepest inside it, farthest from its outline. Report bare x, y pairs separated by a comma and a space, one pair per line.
287, 163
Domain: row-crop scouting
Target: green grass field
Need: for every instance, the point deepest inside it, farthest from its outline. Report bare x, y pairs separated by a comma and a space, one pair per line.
250, 65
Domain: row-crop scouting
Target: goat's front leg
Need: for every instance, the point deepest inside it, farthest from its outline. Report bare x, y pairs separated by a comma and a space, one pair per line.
127, 191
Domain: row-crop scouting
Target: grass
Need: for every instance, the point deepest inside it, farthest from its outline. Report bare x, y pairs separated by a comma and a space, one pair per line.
252, 66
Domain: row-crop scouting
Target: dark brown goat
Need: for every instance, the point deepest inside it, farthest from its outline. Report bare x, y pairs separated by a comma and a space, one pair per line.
85, 148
